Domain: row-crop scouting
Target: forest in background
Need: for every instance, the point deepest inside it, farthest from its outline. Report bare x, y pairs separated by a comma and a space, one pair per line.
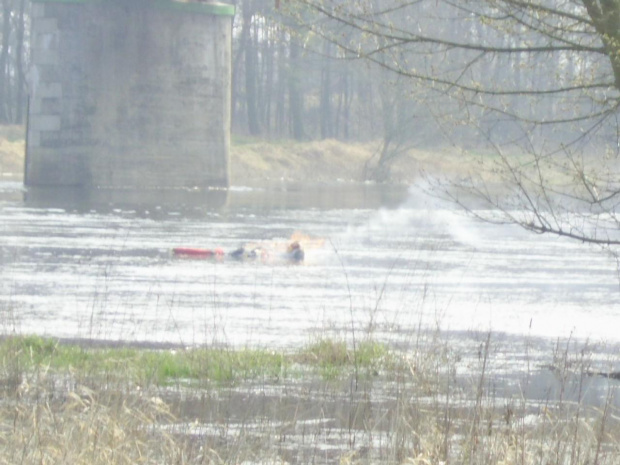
292, 80
287, 81
406, 74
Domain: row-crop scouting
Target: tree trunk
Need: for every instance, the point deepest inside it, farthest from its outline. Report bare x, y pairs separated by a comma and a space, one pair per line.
250, 69
294, 92
237, 99
268, 71
4, 58
281, 88
19, 64
327, 126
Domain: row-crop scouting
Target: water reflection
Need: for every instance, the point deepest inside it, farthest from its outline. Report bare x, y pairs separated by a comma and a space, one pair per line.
321, 196
81, 200
261, 198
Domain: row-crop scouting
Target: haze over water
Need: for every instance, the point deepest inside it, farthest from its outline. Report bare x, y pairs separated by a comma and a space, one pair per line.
99, 266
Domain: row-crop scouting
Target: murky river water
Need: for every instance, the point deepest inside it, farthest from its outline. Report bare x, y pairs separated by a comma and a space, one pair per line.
99, 266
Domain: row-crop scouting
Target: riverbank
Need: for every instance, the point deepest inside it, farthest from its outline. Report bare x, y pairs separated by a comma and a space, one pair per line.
260, 162
12, 152
328, 402
328, 161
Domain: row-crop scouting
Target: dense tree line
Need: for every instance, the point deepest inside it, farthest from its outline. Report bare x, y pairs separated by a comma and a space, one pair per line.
390, 69
537, 62
403, 72
294, 79
291, 82
426, 72
288, 82
540, 78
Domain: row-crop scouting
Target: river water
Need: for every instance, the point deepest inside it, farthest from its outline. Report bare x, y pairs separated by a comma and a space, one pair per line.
385, 261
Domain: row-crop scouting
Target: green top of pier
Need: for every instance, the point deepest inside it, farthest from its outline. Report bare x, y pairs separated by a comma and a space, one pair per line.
193, 6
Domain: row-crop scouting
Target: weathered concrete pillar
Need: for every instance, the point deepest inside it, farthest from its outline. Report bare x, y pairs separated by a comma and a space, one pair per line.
129, 93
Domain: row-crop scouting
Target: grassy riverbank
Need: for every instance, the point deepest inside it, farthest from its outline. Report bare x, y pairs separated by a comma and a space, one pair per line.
327, 402
12, 151
219, 365
260, 161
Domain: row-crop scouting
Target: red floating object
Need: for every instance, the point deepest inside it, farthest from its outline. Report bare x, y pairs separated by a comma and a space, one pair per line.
198, 253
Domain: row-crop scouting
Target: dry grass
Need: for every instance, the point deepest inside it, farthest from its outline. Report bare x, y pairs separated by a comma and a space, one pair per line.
408, 407
331, 160
12, 151
85, 426
259, 161
319, 161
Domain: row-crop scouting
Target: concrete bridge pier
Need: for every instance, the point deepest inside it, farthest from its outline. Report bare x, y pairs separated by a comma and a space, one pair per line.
129, 94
